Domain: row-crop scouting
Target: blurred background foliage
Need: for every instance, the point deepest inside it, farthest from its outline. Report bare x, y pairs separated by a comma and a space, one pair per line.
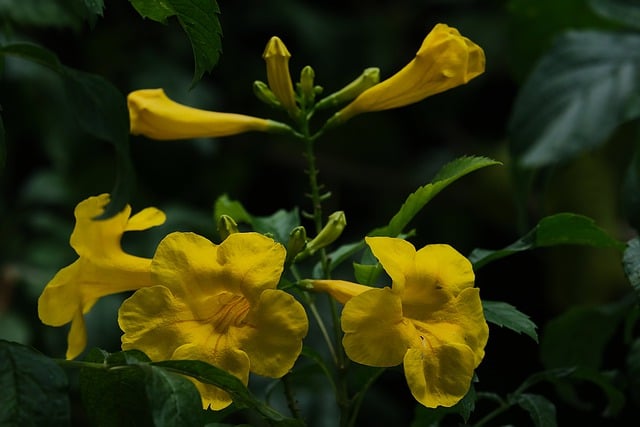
369, 165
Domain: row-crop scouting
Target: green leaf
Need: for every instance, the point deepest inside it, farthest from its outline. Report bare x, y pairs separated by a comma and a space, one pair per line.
101, 111
631, 188
241, 396
174, 400
558, 229
366, 274
199, 19
95, 6
541, 410
580, 336
631, 264
225, 206
580, 91
34, 388
505, 315
626, 12
417, 200
50, 13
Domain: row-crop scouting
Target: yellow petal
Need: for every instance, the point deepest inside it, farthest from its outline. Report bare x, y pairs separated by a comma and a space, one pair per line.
77, 337
154, 115
459, 321
146, 218
375, 332
439, 375
272, 336
156, 322
445, 60
232, 360
341, 290
396, 256
277, 57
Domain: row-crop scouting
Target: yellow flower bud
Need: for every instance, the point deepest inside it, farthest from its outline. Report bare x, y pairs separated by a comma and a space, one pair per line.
329, 234
277, 57
368, 78
154, 115
445, 60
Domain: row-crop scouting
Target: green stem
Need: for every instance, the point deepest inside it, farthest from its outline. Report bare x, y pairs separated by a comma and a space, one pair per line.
491, 415
291, 400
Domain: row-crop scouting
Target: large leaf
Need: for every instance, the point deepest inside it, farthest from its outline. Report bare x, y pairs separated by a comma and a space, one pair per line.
558, 229
626, 12
34, 388
579, 92
505, 315
101, 111
199, 19
417, 200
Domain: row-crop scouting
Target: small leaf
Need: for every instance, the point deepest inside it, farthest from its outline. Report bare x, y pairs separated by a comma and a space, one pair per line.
581, 90
558, 229
631, 264
366, 274
34, 388
541, 410
626, 12
505, 315
417, 200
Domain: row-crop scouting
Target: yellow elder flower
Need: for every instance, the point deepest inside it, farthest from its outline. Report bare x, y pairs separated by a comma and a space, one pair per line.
276, 56
218, 304
154, 115
101, 269
445, 60
431, 319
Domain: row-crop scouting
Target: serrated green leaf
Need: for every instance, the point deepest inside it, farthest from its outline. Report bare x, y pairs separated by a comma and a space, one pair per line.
631, 264
579, 336
541, 411
34, 388
417, 200
505, 315
278, 225
199, 19
626, 12
558, 229
586, 85
174, 400
101, 111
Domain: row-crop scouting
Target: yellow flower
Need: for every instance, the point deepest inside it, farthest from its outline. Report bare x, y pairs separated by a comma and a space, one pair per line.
277, 57
431, 319
154, 115
218, 304
101, 269
445, 60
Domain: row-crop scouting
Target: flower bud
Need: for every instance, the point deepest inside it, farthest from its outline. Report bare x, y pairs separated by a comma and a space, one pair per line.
264, 94
330, 233
226, 226
276, 57
297, 242
368, 78
307, 91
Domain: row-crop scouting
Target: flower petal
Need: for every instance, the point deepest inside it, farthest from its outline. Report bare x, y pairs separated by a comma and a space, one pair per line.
446, 266
396, 256
223, 356
439, 375
375, 332
77, 337
146, 218
156, 322
272, 336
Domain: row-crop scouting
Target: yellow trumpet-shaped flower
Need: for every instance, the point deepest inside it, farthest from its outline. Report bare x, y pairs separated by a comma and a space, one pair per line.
101, 269
431, 319
154, 115
218, 304
276, 56
445, 60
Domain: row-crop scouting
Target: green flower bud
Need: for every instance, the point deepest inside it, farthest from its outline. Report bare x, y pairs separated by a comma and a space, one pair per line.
330, 233
226, 226
307, 91
264, 94
369, 77
297, 242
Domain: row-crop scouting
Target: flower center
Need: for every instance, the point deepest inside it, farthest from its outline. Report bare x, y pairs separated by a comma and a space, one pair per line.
232, 310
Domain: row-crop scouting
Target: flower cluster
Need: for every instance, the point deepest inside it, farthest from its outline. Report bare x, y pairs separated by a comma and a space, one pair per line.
220, 303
